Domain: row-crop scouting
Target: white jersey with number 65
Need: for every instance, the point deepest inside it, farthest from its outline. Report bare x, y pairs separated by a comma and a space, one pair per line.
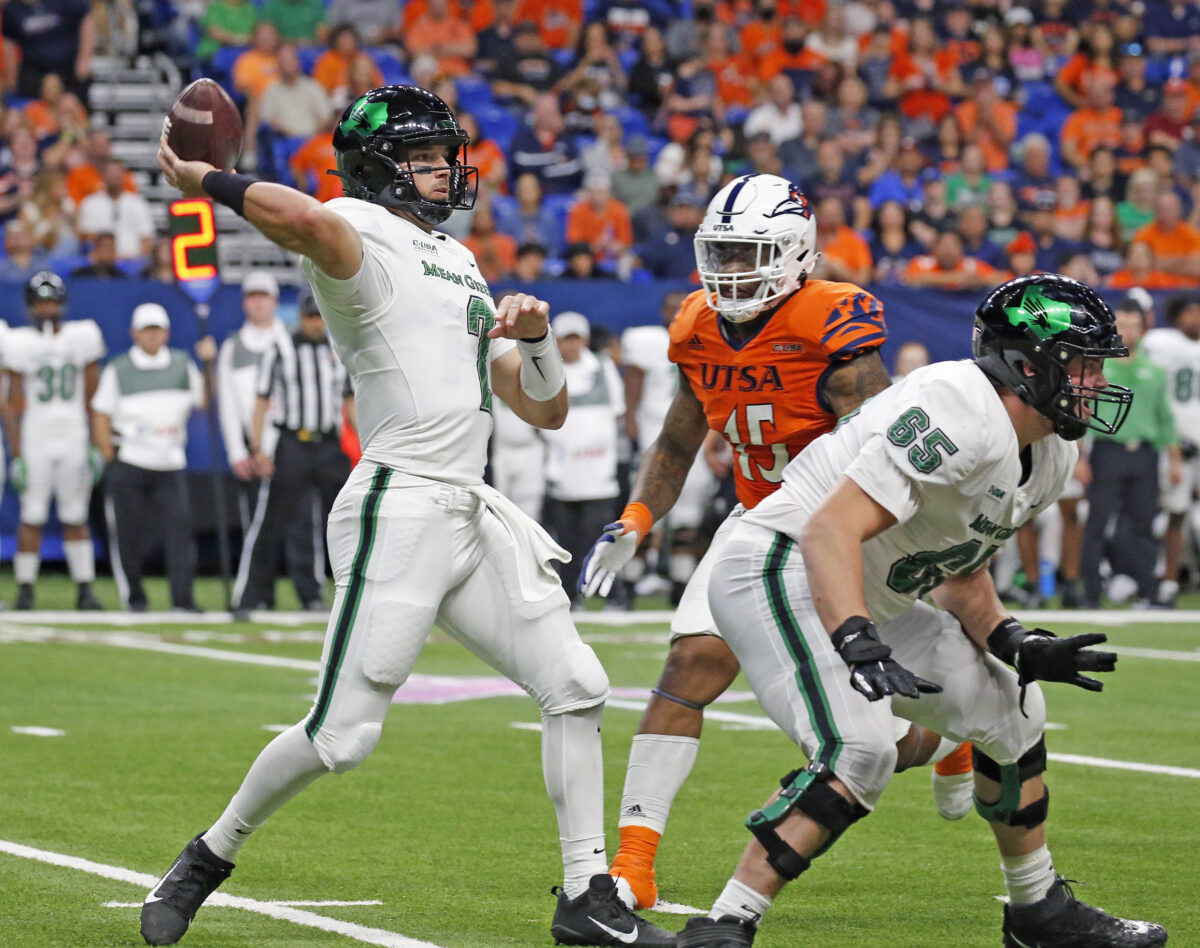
939, 452
411, 328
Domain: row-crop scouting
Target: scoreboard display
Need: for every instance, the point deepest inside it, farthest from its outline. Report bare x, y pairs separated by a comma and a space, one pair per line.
194, 247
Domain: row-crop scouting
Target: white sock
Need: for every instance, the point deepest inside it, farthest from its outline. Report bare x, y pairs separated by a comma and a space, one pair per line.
658, 766
574, 773
1028, 878
944, 749
81, 561
740, 901
283, 768
25, 567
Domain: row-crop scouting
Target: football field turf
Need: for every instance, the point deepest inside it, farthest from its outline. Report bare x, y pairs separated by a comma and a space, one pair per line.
445, 836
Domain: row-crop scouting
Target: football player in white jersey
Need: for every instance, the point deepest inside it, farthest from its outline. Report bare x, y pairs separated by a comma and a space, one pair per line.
1176, 347
53, 369
815, 593
416, 536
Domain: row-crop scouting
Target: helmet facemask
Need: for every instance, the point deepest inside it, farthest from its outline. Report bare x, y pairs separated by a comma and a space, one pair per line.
1076, 408
743, 276
381, 173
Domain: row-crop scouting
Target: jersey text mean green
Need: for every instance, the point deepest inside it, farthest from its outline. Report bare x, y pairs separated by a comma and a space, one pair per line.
925, 456
480, 320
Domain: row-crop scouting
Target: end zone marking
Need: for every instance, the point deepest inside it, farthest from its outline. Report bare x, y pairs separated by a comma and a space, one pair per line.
285, 913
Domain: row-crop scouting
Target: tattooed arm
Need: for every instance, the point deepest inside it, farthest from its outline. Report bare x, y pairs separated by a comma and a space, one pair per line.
666, 463
851, 383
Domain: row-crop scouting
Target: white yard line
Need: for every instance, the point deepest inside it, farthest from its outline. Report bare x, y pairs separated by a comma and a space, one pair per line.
747, 721
292, 902
283, 912
676, 908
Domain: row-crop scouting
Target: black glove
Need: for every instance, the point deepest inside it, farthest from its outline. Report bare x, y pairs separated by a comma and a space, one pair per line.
1038, 655
873, 673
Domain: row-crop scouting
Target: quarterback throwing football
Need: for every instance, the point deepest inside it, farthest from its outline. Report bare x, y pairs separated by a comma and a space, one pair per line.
415, 536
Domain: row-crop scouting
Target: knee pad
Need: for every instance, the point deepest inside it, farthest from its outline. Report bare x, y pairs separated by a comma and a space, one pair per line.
809, 792
343, 752
576, 681
396, 633
1007, 810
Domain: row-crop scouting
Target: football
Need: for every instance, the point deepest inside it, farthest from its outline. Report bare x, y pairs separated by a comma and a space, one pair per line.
204, 125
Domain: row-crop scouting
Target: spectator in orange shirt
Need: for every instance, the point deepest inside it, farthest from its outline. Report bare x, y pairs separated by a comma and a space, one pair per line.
1176, 243
1022, 255
312, 160
558, 21
1097, 58
332, 68
792, 55
763, 34
1141, 269
924, 77
600, 220
732, 74
447, 37
845, 255
485, 155
258, 67
43, 113
1097, 123
987, 120
495, 253
85, 178
479, 13
946, 268
1071, 210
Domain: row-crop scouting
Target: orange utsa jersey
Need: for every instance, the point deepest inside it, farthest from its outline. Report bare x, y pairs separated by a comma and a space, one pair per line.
763, 395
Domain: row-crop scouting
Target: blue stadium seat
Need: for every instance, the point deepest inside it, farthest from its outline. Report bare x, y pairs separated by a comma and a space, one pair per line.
560, 205
657, 143
497, 123
473, 92
394, 73
308, 57
627, 58
632, 120
221, 68
282, 150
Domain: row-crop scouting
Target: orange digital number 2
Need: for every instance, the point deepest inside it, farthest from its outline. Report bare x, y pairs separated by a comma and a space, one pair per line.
203, 237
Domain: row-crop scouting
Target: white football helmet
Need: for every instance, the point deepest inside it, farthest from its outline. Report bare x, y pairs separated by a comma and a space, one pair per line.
757, 242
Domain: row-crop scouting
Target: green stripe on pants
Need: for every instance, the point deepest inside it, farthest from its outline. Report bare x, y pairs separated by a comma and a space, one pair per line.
345, 619
807, 679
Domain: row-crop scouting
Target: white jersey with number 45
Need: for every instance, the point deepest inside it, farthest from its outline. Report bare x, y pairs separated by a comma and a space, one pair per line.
411, 328
938, 451
52, 367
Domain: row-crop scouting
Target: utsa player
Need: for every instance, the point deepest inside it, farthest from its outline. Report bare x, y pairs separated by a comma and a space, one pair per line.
816, 590
53, 370
415, 535
771, 360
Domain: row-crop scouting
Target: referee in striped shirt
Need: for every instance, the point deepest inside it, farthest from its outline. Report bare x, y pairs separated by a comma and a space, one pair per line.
301, 376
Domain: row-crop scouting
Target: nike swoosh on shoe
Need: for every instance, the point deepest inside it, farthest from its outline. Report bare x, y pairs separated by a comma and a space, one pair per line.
627, 938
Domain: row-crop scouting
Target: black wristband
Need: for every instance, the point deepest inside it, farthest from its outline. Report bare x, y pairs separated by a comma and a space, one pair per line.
538, 339
1005, 639
857, 641
228, 188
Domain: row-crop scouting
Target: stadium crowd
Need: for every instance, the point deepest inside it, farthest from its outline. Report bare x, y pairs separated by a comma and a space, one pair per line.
941, 146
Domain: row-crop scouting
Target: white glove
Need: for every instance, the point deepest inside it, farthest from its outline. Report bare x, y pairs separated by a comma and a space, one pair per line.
607, 558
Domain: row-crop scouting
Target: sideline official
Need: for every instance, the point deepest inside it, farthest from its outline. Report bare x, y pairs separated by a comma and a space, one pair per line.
302, 376
140, 415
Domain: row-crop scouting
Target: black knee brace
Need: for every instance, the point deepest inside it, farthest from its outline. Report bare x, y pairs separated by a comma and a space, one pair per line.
809, 792
1007, 809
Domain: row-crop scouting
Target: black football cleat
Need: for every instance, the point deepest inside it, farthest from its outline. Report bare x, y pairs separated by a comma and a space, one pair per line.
1061, 921
725, 932
599, 917
172, 904
24, 600
86, 599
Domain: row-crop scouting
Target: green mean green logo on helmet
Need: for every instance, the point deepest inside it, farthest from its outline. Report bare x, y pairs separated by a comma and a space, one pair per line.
1046, 317
365, 117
